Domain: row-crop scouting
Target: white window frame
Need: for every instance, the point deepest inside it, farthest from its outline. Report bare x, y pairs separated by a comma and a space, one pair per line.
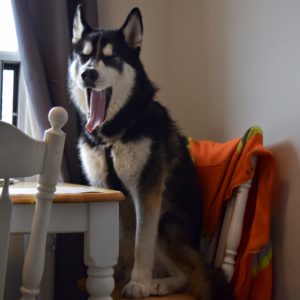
14, 57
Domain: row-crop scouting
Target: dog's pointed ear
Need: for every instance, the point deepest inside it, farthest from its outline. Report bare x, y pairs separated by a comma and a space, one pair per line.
132, 29
79, 24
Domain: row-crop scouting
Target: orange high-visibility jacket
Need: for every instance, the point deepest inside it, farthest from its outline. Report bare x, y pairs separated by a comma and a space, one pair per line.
222, 167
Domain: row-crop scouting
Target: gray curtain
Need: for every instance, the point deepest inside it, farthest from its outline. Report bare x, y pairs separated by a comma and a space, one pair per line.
44, 34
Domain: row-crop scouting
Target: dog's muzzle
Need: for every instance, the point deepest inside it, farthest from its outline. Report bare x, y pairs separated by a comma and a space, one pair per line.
89, 77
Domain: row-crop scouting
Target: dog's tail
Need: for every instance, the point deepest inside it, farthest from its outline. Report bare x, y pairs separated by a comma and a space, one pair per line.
212, 285
206, 282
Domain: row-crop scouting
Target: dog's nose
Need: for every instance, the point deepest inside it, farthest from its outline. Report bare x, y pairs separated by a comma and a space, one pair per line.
89, 76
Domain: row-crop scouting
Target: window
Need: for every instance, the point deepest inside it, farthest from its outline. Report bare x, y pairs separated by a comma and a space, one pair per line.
10, 72
9, 65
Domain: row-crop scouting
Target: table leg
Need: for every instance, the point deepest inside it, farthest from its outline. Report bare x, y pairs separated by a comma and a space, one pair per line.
101, 249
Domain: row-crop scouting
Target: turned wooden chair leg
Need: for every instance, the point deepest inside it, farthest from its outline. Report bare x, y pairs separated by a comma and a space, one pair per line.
35, 256
100, 282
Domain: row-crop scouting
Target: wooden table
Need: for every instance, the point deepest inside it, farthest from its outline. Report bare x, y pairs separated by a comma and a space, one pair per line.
93, 211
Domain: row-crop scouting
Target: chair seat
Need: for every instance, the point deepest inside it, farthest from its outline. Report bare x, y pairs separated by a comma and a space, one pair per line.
24, 193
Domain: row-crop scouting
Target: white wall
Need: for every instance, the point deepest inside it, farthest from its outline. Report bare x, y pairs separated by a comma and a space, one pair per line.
252, 60
224, 65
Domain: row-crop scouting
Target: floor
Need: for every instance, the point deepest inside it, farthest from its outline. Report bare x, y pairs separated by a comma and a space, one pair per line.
117, 294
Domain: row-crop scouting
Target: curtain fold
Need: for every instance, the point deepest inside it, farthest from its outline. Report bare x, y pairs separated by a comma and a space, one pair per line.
44, 33
44, 37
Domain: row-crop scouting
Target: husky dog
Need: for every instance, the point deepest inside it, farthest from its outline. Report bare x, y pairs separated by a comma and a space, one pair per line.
130, 143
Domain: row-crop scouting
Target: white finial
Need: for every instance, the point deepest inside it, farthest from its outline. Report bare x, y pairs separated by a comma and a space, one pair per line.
57, 117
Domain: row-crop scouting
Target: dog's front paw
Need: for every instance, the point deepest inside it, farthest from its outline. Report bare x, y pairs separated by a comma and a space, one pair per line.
136, 289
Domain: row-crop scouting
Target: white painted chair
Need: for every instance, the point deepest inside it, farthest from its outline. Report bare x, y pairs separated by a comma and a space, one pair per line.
54, 208
22, 156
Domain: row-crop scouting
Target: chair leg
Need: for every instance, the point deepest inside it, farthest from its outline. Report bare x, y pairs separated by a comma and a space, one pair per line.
35, 254
47, 283
101, 249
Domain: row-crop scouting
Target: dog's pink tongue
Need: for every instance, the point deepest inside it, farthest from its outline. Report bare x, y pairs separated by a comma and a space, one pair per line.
97, 110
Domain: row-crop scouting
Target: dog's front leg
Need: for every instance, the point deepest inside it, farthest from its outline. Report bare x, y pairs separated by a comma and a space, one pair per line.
147, 217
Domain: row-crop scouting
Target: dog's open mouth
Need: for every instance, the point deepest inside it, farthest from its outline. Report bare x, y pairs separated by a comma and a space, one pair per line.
98, 103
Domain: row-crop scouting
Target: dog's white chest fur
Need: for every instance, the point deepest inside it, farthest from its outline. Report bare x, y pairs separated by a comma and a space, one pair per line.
128, 159
94, 164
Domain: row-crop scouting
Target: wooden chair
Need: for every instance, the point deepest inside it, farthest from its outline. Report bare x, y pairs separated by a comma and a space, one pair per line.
54, 208
236, 179
22, 156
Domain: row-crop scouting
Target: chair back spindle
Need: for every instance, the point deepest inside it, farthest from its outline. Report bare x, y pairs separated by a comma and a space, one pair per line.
22, 156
